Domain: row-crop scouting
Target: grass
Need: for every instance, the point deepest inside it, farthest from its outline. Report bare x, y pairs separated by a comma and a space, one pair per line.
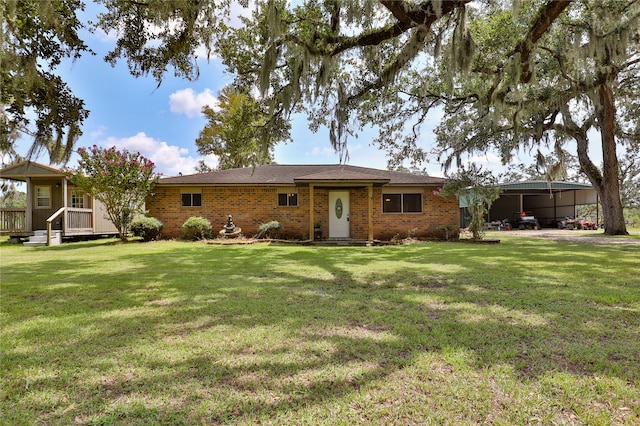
528, 331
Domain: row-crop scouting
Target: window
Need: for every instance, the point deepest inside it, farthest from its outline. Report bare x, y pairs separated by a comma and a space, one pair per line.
412, 203
77, 200
392, 203
191, 200
288, 199
43, 197
402, 203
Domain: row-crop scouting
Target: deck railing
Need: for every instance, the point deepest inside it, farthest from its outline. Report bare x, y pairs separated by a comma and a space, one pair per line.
78, 221
13, 220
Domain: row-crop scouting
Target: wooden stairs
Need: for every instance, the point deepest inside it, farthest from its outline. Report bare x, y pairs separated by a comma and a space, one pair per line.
39, 239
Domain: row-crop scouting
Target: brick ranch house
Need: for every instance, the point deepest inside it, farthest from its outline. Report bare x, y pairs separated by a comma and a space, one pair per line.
310, 201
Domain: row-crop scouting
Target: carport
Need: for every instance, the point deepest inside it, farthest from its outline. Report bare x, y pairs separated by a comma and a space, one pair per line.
549, 202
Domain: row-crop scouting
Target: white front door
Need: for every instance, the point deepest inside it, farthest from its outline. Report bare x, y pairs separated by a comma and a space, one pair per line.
338, 214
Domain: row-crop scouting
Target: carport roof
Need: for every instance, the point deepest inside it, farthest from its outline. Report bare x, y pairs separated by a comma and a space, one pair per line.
535, 187
543, 185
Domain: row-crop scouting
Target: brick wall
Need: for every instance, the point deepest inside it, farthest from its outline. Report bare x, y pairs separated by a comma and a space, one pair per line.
436, 212
252, 206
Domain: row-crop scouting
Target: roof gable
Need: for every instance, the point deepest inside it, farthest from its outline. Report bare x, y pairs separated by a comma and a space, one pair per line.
26, 169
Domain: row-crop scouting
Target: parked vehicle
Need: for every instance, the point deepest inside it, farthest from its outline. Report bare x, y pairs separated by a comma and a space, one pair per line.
585, 224
571, 223
523, 220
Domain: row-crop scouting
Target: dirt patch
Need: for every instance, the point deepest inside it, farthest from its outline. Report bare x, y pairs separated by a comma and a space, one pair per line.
583, 237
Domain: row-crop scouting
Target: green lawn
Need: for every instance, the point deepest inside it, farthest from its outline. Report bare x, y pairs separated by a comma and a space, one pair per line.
528, 331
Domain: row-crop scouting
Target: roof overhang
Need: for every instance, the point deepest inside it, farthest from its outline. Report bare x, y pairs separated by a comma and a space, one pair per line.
341, 183
341, 178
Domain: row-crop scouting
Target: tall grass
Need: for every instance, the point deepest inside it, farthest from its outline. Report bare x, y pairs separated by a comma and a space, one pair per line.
524, 332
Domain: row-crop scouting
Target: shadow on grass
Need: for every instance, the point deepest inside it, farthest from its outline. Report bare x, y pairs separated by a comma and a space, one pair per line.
173, 333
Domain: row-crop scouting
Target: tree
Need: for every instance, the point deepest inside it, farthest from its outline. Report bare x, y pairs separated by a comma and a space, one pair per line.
630, 178
119, 179
583, 74
475, 188
202, 167
293, 52
10, 197
546, 167
239, 133
36, 37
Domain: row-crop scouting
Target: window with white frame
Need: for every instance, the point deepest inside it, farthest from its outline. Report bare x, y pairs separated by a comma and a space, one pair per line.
402, 203
43, 197
78, 199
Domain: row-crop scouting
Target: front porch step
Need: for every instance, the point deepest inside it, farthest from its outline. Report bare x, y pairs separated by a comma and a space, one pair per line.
39, 239
343, 242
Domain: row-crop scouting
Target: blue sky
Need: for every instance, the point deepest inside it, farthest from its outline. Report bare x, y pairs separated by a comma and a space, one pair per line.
163, 122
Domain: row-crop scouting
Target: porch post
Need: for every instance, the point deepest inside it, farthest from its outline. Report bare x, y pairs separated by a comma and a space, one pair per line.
521, 203
370, 212
64, 204
311, 213
29, 213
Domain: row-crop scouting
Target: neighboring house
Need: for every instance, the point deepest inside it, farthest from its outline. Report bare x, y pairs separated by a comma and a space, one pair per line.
55, 209
310, 201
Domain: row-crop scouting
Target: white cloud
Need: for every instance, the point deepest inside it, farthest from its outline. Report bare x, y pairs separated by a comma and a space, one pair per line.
170, 160
355, 148
237, 10
190, 103
97, 133
111, 37
325, 151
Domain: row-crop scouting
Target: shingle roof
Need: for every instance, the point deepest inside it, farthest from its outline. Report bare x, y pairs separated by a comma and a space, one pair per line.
282, 174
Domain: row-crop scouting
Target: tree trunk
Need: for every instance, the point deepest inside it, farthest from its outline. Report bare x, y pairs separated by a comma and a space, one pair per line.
609, 188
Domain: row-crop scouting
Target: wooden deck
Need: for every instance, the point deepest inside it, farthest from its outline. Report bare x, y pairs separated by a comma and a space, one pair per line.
76, 223
13, 222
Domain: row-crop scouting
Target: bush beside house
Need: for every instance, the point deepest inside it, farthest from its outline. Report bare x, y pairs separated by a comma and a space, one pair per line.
149, 228
197, 228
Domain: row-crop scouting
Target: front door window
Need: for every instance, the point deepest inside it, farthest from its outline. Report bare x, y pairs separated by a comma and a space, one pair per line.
77, 200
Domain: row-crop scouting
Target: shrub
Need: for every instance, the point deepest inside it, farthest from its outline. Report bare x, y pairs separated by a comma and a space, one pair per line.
148, 228
196, 228
269, 229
